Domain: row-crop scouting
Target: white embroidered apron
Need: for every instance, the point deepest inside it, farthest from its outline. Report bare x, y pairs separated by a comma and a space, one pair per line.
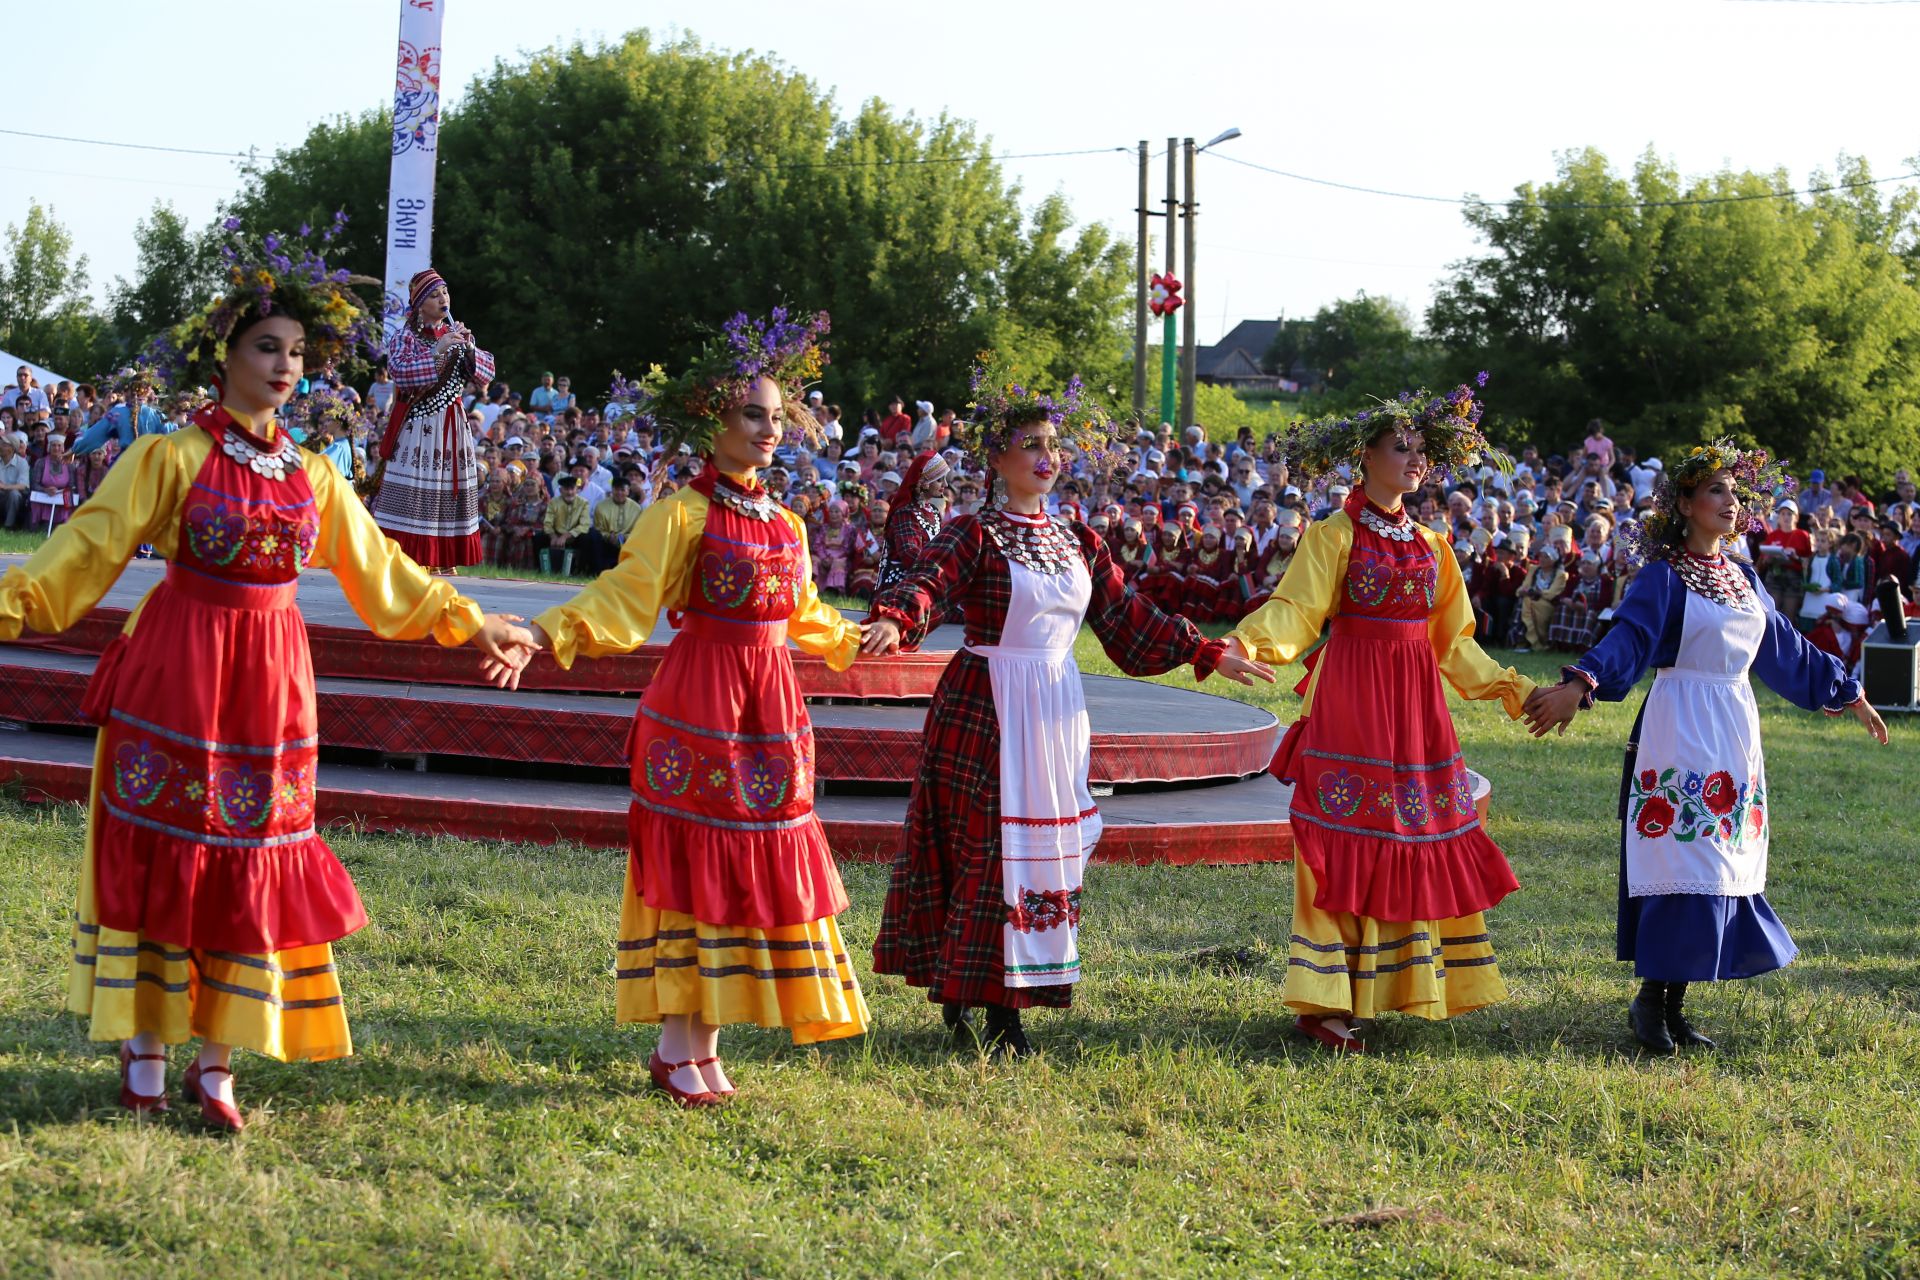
1048, 823
1697, 808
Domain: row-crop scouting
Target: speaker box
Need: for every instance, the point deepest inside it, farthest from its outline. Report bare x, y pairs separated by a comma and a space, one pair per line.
1890, 670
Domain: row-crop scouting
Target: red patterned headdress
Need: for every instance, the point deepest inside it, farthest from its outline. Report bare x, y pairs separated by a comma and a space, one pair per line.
423, 284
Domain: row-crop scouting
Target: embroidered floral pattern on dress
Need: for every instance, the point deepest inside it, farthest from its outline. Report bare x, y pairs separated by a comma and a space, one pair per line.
258, 538
1040, 910
1374, 579
763, 780
205, 788
1697, 806
669, 766
140, 772
1411, 802
760, 778
245, 796
726, 581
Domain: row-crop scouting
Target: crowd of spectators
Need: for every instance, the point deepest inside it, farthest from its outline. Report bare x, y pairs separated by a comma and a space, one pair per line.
1205, 527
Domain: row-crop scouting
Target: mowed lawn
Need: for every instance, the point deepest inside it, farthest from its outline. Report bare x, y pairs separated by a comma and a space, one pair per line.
497, 1121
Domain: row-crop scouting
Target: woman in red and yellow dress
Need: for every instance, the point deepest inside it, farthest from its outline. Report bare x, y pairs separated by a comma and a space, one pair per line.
1392, 868
731, 892
208, 902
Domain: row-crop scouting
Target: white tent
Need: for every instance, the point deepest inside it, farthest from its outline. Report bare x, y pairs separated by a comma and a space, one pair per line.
46, 377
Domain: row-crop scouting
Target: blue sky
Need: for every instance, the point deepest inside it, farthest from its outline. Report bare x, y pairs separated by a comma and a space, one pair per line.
1436, 98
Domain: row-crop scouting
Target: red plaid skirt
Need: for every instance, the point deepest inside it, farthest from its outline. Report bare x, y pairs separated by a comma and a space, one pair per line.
942, 929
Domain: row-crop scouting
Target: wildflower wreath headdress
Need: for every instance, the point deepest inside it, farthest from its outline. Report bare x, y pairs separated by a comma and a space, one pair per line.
1757, 478
274, 275
630, 400
999, 402
788, 351
1449, 426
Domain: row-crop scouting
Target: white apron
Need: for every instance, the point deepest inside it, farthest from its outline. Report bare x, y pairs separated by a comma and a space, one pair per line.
1048, 823
1697, 808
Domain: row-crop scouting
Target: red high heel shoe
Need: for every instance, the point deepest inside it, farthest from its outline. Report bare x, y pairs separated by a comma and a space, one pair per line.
722, 1094
662, 1072
218, 1114
140, 1103
1316, 1029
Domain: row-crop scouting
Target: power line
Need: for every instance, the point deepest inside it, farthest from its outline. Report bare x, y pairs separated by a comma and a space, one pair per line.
130, 146
1601, 204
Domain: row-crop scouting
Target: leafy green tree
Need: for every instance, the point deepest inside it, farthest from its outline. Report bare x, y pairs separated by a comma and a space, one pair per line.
1685, 310
175, 269
46, 314
607, 206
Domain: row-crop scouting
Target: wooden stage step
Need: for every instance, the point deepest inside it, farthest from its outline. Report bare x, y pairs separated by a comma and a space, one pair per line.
1240, 821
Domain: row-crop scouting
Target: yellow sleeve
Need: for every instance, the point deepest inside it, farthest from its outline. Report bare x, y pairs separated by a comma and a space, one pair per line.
616, 612
395, 597
817, 627
137, 502
1289, 623
1450, 629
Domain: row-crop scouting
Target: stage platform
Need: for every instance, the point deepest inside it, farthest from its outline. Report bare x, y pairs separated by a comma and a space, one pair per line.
1141, 732
1238, 821
412, 740
342, 646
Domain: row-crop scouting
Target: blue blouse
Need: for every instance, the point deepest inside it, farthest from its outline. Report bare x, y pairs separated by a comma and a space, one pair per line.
1646, 633
115, 426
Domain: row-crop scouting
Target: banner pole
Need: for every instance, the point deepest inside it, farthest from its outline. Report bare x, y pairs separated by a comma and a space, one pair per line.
416, 137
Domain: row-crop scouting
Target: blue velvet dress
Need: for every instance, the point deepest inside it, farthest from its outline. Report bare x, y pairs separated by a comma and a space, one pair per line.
1694, 829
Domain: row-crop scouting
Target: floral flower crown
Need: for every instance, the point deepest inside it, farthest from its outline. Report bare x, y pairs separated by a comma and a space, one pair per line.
272, 276
129, 377
854, 493
1757, 478
1449, 426
327, 409
999, 402
789, 351
632, 399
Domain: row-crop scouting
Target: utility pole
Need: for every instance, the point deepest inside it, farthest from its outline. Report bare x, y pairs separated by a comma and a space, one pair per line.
1168, 372
1192, 211
1140, 296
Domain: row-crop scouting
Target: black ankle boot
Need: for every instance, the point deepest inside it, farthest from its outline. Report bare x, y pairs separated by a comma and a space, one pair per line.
1647, 1016
1005, 1036
954, 1014
1677, 1025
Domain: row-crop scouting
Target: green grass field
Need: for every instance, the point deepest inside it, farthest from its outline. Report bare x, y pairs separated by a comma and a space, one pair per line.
496, 1120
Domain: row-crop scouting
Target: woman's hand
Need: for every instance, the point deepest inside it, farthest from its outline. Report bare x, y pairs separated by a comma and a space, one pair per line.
1863, 712
879, 637
1242, 670
1552, 708
508, 648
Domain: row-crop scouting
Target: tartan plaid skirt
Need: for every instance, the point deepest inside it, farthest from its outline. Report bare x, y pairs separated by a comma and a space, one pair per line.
946, 908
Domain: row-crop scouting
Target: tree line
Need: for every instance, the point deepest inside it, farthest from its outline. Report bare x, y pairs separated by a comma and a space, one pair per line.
606, 206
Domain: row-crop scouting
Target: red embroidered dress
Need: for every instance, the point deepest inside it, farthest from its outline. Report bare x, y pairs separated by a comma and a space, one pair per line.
731, 892
1394, 867
1383, 809
207, 902
722, 820
208, 725
947, 912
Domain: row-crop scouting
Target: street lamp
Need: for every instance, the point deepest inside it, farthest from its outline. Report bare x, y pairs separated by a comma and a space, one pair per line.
1187, 350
